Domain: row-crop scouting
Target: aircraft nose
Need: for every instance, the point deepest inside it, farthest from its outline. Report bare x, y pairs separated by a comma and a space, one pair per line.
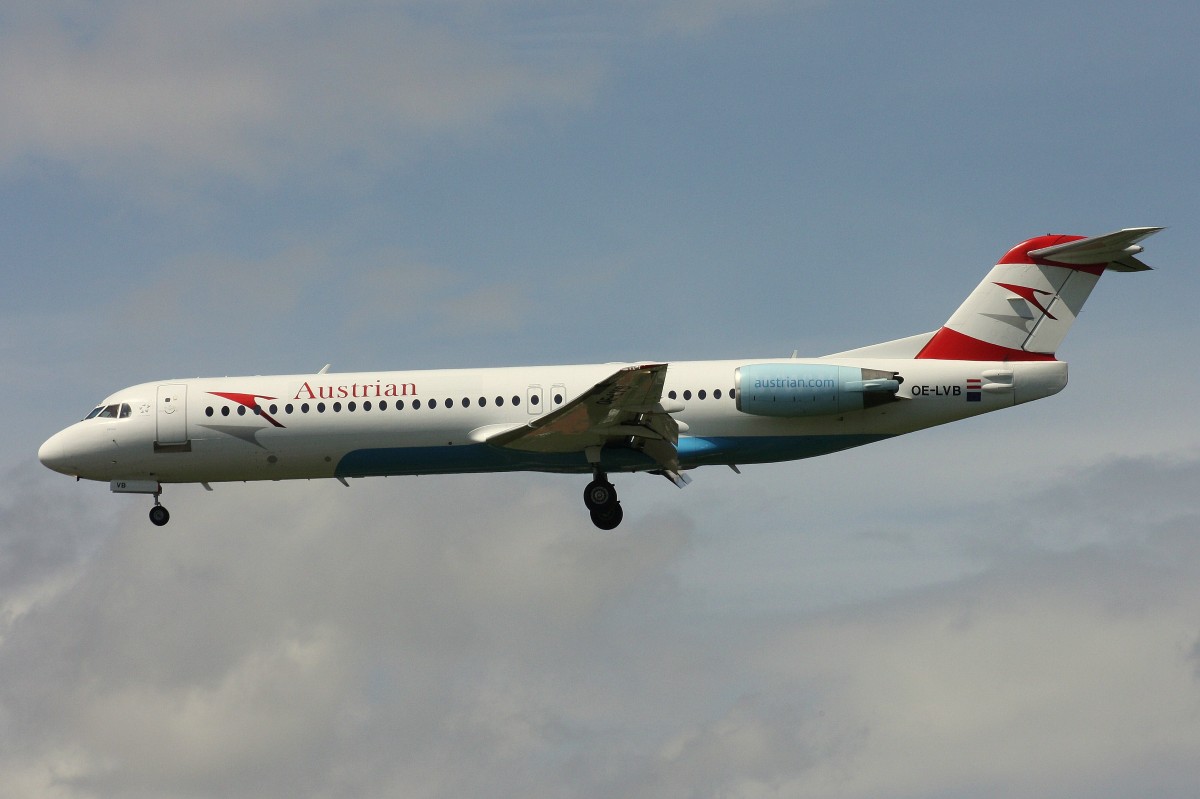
52, 454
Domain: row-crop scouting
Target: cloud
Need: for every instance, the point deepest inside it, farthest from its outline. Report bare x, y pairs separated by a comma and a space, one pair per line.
248, 92
242, 89
1052, 678
474, 636
46, 539
261, 642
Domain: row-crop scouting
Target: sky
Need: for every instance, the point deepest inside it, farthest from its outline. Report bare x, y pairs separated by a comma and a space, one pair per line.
1005, 607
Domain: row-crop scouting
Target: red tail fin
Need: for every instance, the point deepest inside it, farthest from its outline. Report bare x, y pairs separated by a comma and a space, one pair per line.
1024, 307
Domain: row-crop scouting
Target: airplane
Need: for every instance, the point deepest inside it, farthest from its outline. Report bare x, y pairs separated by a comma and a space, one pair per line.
666, 418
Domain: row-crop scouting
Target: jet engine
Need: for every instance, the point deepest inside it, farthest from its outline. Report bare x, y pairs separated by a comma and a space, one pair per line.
807, 389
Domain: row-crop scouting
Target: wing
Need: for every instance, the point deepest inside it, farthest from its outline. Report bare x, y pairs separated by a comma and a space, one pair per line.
625, 405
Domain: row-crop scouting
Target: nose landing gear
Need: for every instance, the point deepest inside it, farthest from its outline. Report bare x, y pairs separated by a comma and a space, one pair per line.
159, 515
600, 497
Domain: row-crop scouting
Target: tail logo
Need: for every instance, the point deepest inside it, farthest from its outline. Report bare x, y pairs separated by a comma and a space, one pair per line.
1030, 296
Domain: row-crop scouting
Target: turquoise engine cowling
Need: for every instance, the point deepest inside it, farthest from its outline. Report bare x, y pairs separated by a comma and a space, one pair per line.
810, 389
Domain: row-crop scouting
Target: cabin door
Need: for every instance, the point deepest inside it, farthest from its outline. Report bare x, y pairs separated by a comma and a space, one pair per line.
172, 414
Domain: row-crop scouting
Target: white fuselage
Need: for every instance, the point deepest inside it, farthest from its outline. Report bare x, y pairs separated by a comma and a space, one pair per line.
437, 421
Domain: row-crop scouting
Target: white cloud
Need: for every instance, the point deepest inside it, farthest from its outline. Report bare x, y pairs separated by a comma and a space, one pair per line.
252, 91
241, 90
473, 636
1032, 681
257, 635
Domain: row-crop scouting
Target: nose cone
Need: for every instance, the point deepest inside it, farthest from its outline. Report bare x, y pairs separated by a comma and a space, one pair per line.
53, 455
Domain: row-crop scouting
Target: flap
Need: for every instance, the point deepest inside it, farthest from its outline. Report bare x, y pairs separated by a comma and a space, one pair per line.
625, 408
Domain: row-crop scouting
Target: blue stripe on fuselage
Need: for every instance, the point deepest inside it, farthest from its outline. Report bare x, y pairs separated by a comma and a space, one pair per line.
487, 458
722, 450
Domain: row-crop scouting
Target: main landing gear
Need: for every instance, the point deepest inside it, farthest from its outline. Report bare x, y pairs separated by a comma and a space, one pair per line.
601, 500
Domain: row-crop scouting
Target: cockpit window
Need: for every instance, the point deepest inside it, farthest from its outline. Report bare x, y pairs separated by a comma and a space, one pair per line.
120, 411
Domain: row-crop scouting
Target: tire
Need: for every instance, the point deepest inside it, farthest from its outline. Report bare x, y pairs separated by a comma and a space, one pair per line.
159, 515
599, 496
608, 519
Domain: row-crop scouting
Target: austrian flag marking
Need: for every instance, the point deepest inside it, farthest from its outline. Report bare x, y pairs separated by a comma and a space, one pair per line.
974, 389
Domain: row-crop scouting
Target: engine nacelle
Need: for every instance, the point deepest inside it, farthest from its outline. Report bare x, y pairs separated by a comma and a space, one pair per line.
811, 389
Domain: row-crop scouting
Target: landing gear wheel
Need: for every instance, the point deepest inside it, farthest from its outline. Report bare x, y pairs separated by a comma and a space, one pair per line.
600, 496
608, 519
159, 515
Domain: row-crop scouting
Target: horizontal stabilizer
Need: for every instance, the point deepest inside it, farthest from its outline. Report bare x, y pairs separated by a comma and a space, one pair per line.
1115, 251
